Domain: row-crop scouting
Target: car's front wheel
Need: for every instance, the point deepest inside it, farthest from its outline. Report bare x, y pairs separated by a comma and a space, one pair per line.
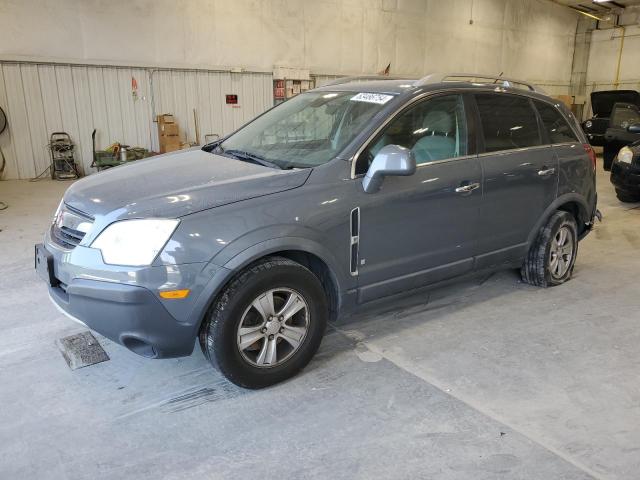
552, 255
267, 323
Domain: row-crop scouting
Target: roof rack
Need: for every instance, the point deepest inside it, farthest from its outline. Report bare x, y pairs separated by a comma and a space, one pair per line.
362, 78
477, 78
446, 77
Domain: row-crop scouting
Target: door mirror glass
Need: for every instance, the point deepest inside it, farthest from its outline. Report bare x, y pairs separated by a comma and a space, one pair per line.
634, 128
391, 160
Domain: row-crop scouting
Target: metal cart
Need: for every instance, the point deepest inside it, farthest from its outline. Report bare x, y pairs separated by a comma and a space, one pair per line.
63, 164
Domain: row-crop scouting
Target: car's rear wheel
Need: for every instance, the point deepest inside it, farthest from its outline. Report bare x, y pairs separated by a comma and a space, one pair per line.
552, 255
267, 324
627, 197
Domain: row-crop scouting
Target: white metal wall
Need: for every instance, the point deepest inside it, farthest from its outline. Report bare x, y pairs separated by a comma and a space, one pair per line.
41, 99
530, 39
180, 92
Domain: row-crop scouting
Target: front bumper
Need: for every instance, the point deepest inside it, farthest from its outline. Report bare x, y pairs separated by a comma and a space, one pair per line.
123, 303
129, 315
625, 177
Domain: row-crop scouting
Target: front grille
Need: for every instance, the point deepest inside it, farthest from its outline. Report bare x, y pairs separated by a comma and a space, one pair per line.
69, 227
66, 237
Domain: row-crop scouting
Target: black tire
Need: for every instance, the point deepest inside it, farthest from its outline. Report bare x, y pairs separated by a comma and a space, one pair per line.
218, 335
536, 269
608, 154
627, 197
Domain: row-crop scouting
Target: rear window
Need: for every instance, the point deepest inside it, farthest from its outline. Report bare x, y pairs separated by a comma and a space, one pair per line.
554, 123
508, 122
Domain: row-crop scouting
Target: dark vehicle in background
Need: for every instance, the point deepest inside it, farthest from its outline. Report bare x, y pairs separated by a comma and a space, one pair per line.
623, 116
602, 104
625, 169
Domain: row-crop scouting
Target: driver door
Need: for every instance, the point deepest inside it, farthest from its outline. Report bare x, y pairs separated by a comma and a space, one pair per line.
420, 229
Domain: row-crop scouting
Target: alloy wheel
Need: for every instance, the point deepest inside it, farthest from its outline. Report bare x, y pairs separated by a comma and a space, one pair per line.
273, 327
561, 252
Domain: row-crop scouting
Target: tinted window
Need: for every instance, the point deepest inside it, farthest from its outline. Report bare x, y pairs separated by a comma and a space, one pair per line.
435, 129
624, 115
508, 122
554, 123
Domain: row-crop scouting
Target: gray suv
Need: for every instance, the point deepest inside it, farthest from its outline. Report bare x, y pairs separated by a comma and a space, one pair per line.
346, 194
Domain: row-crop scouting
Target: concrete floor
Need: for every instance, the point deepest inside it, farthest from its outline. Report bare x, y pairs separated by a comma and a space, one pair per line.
482, 380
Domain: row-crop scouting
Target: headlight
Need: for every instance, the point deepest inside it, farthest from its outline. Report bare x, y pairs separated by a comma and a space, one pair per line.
134, 242
55, 215
625, 155
588, 124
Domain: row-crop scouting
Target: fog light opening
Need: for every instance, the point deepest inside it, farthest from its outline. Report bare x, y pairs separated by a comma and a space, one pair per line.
139, 347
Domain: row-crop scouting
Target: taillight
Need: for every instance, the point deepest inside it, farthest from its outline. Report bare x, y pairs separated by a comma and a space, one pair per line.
592, 155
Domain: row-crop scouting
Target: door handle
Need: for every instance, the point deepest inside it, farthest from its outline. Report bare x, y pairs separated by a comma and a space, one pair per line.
467, 188
545, 172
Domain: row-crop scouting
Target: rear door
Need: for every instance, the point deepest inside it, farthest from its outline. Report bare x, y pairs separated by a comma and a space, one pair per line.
573, 171
520, 176
576, 171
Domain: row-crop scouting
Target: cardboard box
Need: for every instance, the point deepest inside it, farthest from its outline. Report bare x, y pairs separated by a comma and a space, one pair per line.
566, 99
171, 144
166, 118
168, 133
168, 129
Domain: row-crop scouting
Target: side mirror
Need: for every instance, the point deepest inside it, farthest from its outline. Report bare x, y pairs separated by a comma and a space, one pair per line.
391, 160
634, 128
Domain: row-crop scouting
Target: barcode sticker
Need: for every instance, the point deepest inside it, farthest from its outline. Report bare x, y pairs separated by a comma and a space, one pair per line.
378, 98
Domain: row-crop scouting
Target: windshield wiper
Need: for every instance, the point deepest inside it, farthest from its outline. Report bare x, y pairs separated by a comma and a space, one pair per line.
252, 157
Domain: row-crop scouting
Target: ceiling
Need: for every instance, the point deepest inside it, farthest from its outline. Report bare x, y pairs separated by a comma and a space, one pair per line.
595, 8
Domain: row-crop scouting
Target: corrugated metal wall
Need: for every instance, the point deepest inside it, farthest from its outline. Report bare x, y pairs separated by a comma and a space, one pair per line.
41, 99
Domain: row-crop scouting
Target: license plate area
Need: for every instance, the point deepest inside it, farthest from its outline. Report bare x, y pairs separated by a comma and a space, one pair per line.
44, 265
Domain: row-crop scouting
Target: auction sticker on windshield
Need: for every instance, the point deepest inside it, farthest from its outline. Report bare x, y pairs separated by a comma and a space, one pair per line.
372, 98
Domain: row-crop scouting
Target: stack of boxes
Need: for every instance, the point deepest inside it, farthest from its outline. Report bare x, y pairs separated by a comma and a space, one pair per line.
168, 133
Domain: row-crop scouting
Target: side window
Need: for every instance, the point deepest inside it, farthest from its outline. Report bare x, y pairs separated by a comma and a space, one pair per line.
435, 129
556, 126
508, 122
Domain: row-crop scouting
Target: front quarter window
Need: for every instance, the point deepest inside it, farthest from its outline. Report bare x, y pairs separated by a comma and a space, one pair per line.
434, 129
308, 130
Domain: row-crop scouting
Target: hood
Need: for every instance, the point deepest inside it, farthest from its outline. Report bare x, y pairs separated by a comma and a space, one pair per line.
177, 184
602, 102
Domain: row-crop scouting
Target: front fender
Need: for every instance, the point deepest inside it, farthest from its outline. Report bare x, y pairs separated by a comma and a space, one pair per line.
236, 262
290, 243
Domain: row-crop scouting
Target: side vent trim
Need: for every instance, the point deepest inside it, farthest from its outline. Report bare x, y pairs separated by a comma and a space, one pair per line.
355, 240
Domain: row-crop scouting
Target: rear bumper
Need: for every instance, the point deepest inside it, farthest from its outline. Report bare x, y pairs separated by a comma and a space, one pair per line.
595, 214
596, 139
129, 315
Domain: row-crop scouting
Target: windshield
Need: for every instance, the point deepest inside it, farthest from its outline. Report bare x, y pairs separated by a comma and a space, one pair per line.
306, 131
